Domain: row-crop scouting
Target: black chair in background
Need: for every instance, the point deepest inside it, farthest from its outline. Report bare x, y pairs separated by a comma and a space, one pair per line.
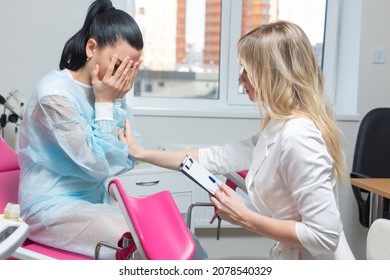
372, 158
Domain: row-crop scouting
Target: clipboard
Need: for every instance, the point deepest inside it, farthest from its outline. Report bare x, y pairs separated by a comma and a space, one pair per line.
200, 175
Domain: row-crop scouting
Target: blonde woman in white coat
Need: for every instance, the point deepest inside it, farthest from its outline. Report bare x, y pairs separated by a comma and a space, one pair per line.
296, 160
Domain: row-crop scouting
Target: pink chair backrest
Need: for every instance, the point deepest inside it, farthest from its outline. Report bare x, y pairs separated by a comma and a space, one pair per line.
9, 175
8, 157
243, 173
233, 185
156, 224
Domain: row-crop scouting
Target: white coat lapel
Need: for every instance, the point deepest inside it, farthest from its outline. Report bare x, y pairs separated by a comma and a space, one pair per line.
266, 140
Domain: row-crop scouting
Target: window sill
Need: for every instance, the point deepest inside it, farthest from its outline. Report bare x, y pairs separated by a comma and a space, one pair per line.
235, 112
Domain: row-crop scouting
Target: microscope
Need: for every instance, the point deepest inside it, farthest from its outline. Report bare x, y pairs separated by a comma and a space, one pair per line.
13, 110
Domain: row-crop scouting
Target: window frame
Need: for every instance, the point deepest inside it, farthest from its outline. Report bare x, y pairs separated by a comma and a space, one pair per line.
230, 104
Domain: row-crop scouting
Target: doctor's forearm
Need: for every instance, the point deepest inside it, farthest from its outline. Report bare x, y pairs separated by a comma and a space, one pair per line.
166, 159
278, 230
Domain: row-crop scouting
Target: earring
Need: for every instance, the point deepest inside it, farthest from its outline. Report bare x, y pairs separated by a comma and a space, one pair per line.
89, 58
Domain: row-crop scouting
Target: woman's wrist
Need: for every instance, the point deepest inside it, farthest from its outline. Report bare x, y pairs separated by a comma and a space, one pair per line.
140, 154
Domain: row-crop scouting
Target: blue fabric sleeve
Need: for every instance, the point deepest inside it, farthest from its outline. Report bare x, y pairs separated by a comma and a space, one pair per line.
73, 145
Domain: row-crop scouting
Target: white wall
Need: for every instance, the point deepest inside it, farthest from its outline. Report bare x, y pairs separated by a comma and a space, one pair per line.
32, 41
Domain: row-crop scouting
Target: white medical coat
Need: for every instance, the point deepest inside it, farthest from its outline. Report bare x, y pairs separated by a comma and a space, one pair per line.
290, 178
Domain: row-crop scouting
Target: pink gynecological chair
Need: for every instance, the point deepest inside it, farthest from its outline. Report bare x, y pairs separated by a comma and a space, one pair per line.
156, 227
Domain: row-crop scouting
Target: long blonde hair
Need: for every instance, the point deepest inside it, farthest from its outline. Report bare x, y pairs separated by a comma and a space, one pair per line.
281, 66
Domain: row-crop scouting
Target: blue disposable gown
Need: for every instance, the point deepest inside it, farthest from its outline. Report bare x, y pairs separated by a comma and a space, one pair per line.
66, 155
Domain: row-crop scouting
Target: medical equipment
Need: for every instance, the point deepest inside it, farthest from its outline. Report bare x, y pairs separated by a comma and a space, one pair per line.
13, 102
13, 231
12, 235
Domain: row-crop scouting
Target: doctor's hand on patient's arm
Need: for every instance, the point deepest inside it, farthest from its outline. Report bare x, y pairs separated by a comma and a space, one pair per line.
166, 159
127, 136
117, 80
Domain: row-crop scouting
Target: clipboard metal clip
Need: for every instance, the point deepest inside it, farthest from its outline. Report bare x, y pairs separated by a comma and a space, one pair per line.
188, 163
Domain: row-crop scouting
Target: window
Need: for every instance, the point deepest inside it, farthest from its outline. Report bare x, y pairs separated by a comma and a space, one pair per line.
190, 45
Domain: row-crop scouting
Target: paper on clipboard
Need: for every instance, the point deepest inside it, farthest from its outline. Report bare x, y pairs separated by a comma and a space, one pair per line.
200, 175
